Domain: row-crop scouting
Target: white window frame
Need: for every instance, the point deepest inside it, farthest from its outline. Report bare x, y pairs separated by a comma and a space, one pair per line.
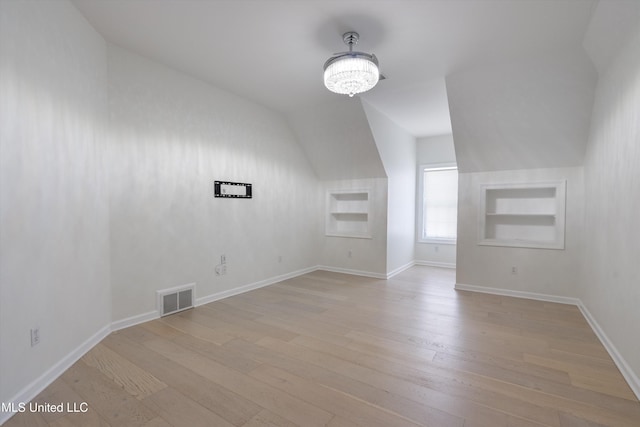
420, 202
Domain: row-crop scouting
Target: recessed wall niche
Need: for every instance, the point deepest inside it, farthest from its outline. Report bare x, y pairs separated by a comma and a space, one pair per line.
348, 213
527, 215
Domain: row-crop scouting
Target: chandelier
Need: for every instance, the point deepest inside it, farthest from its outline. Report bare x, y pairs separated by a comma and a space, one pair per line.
351, 72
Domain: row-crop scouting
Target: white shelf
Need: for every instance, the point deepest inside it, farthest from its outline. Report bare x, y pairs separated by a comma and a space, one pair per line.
528, 215
519, 214
348, 214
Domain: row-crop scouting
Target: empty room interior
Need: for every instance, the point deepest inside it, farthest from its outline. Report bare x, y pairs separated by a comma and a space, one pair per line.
320, 213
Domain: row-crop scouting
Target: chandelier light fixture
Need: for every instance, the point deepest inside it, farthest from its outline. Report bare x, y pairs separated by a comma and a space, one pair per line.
351, 72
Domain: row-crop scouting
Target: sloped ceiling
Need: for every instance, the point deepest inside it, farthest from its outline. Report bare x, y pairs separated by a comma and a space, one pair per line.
505, 111
526, 113
611, 23
272, 51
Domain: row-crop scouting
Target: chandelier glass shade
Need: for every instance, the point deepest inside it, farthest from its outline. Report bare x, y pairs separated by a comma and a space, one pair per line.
351, 72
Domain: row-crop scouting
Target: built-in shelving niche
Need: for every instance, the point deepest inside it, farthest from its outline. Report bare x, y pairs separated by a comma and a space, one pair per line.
527, 215
348, 214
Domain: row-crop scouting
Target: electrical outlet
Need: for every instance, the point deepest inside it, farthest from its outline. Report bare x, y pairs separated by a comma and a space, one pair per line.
221, 269
514, 270
35, 336
223, 259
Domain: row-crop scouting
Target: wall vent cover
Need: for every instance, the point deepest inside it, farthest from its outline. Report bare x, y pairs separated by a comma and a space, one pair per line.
175, 299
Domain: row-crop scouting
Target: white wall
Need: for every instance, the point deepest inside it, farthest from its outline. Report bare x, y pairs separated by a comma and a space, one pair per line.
541, 271
171, 137
434, 150
337, 139
54, 241
611, 271
397, 150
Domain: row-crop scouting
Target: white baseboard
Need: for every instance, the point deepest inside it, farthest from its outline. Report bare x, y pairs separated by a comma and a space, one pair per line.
436, 264
629, 375
251, 286
134, 320
621, 363
43, 381
400, 269
352, 272
518, 294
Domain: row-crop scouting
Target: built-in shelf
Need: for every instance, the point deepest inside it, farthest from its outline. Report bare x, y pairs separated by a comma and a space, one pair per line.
348, 213
529, 215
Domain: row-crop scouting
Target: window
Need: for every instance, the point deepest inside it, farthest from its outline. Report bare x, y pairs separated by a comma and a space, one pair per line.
439, 204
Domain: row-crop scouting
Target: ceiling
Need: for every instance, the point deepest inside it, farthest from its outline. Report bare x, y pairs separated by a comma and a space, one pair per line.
272, 51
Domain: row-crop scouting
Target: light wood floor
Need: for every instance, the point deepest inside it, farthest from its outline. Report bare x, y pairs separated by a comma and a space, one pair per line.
328, 349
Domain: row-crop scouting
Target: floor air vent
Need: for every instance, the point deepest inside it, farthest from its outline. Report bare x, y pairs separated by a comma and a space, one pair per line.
175, 299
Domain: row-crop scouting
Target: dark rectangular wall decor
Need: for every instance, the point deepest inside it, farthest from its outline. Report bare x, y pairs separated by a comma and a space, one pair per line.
233, 190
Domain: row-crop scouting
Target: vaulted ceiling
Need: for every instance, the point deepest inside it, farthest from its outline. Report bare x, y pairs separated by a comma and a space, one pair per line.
272, 51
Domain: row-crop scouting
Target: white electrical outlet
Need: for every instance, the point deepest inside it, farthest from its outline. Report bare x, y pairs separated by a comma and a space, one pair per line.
221, 269
514, 270
35, 336
223, 259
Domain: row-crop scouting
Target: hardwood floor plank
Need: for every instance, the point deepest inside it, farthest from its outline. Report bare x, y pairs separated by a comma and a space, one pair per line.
109, 400
313, 327
457, 383
420, 413
568, 420
157, 422
250, 324
57, 392
26, 419
600, 377
232, 330
266, 396
341, 404
179, 410
215, 352
229, 405
184, 323
90, 418
341, 422
418, 393
529, 376
134, 380
268, 419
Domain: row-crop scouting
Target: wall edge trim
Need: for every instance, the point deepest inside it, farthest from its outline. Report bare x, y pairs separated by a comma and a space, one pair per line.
400, 269
436, 264
251, 286
632, 379
134, 320
371, 274
517, 294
